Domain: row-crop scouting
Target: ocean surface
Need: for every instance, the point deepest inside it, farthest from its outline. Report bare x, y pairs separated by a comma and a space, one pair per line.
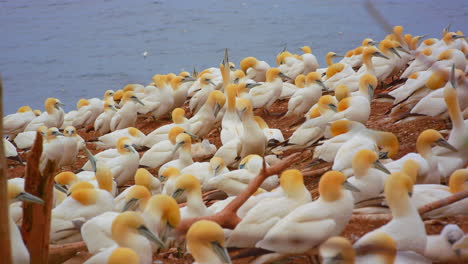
79, 49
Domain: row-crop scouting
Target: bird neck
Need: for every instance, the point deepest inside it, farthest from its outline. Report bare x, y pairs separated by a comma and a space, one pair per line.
195, 201
203, 253
451, 99
367, 60
185, 154
400, 204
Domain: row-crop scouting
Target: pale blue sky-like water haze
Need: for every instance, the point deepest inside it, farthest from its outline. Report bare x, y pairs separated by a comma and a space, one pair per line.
79, 49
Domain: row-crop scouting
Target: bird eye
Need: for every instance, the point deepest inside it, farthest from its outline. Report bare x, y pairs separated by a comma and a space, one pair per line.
133, 97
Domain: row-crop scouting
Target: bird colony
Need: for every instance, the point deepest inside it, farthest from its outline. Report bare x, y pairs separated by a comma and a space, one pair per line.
142, 197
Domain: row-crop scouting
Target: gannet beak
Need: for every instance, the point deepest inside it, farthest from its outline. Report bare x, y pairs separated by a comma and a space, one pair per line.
324, 88
211, 82
347, 185
383, 155
394, 51
177, 146
60, 188
58, 105
130, 204
221, 252
338, 56
378, 165
458, 36
144, 231
177, 193
138, 100
57, 133
191, 135
91, 158
282, 75
400, 48
252, 85
447, 28
27, 197
188, 79
113, 108
452, 77
240, 113
333, 107
370, 90
131, 148
443, 143
217, 109
379, 54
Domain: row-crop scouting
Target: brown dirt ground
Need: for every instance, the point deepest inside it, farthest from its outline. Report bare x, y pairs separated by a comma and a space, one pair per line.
406, 133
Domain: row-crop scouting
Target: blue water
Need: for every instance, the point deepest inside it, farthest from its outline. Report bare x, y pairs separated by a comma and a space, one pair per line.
75, 49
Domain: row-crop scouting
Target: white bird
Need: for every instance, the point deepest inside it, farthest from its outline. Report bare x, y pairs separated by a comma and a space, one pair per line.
135, 135
10, 150
205, 241
448, 161
254, 69
231, 125
102, 122
368, 175
199, 98
427, 193
382, 67
261, 218
234, 182
72, 143
341, 131
180, 88
163, 151
376, 141
161, 215
406, 226
422, 62
15, 123
308, 94
26, 139
290, 64
127, 115
129, 230
53, 148
337, 250
428, 171
351, 80
84, 203
313, 129
272, 134
96, 232
357, 106
203, 121
190, 186
381, 248
52, 117
183, 145
268, 92
19, 252
312, 223
310, 61
87, 113
123, 161
162, 132
439, 248
204, 171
